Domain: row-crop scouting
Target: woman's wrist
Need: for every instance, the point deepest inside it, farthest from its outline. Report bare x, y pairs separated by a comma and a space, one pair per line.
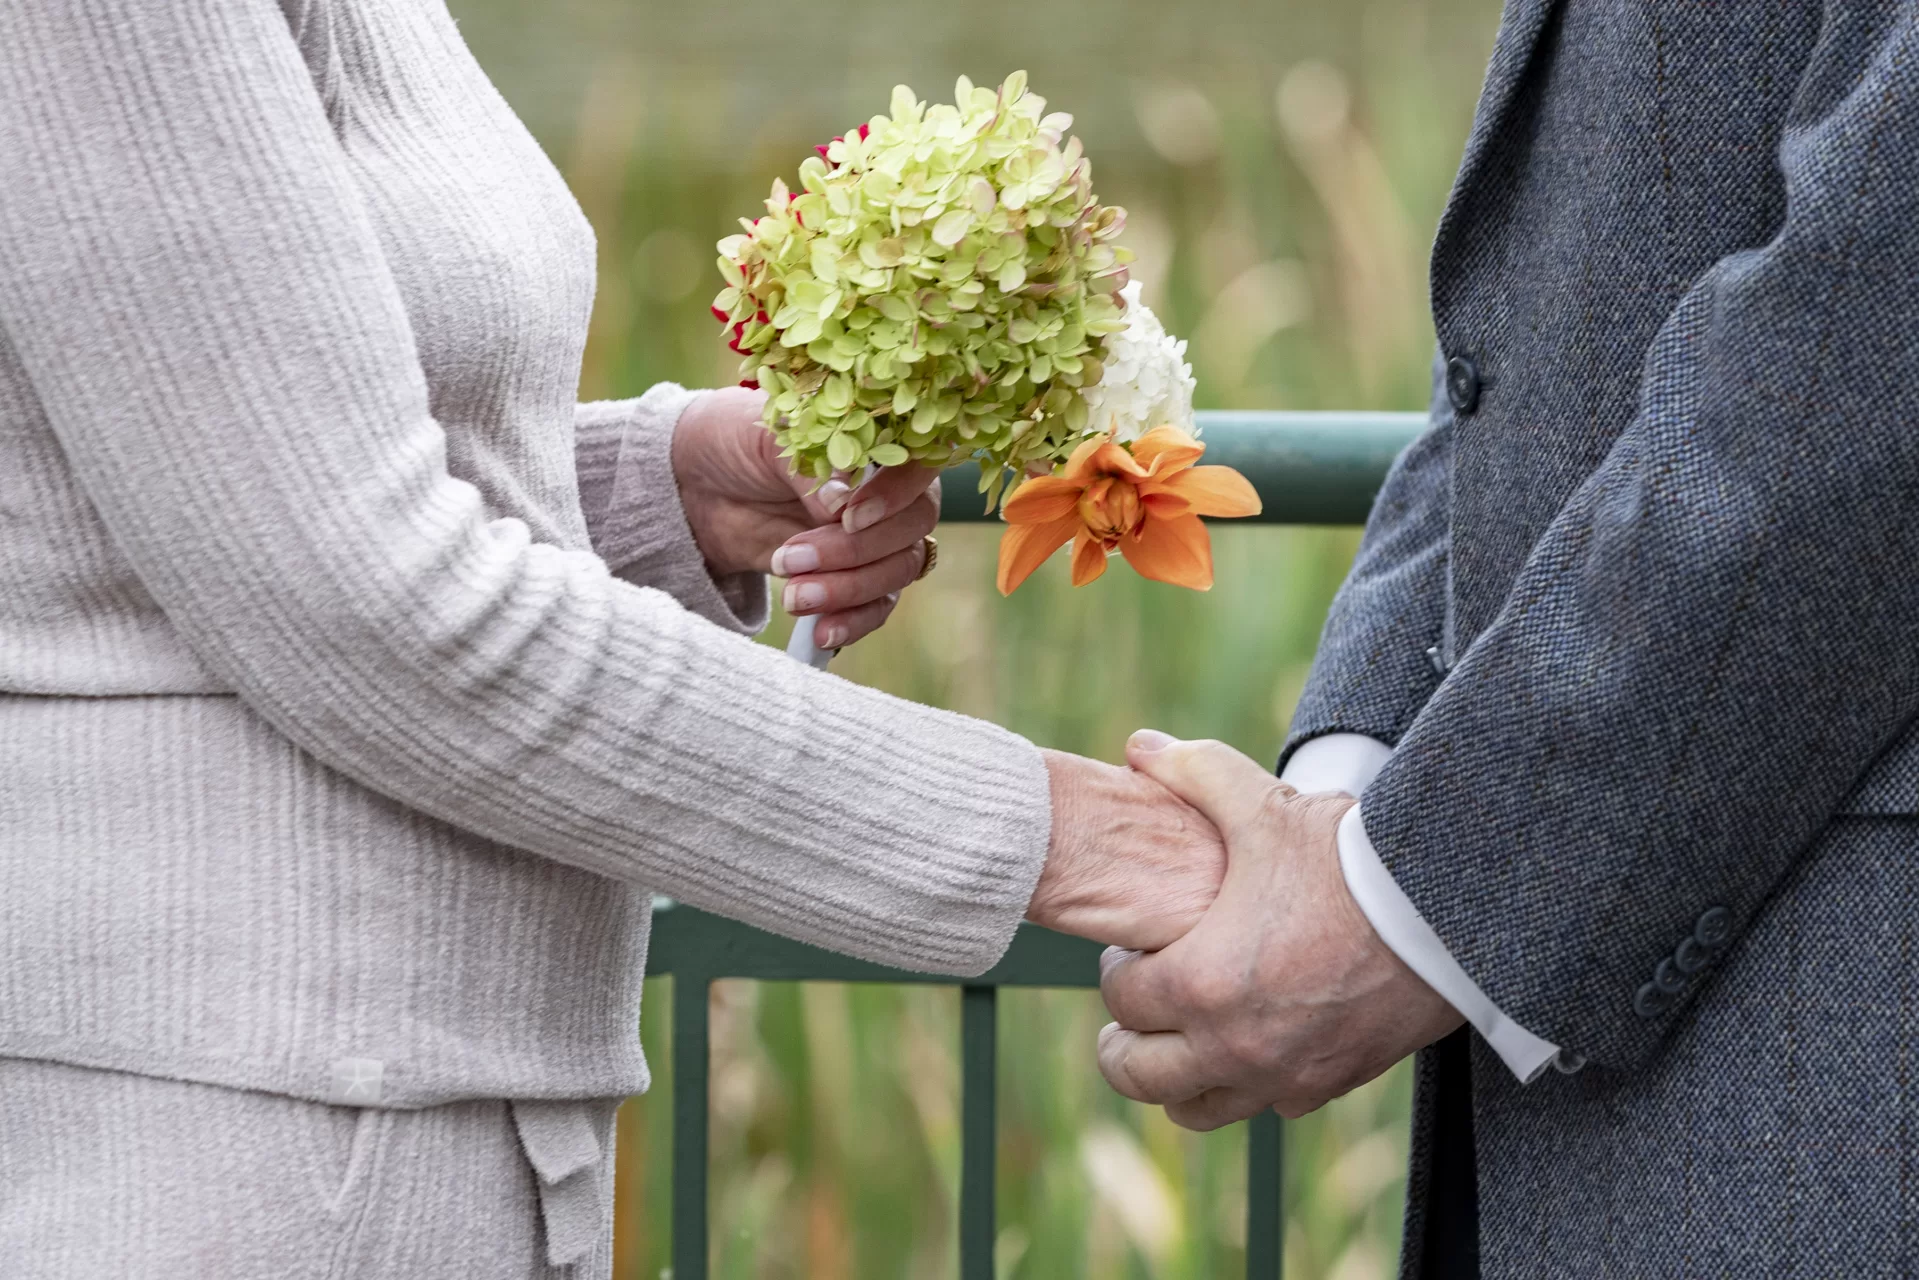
1061, 875
1128, 862
709, 444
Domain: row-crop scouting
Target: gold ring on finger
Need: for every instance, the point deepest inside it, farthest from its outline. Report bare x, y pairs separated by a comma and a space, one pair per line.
931, 547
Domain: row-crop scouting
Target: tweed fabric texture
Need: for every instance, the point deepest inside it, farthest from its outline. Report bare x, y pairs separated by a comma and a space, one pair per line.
1371, 673
103, 1174
1682, 254
1776, 1134
357, 686
1709, 644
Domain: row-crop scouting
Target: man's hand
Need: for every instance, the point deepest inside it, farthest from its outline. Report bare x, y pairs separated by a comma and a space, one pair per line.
846, 553
1283, 996
1130, 863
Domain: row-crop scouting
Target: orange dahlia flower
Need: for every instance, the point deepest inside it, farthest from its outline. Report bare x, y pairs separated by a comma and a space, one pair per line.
1145, 503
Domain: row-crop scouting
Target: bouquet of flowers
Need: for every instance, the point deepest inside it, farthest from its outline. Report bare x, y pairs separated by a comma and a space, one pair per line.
945, 285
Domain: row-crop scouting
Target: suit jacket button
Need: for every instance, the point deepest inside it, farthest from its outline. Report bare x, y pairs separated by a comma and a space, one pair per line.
1714, 927
1462, 384
1668, 978
1690, 957
1650, 1001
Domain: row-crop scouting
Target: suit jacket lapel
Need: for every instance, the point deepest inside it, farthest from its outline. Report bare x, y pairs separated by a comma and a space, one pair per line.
1519, 30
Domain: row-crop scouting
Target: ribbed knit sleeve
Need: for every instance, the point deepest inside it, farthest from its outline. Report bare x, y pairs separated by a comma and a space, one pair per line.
200, 301
624, 452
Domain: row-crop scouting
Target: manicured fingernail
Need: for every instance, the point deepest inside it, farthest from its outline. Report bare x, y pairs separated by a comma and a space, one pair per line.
833, 494
1150, 740
862, 515
803, 597
892, 597
795, 558
828, 638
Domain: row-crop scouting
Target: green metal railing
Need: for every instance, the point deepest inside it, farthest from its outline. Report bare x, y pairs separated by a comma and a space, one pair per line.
1309, 468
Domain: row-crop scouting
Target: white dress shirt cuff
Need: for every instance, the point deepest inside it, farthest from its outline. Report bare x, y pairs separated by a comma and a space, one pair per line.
1402, 928
1335, 762
1348, 762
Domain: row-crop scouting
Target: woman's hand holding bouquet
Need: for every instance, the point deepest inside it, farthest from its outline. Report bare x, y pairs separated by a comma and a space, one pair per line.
845, 561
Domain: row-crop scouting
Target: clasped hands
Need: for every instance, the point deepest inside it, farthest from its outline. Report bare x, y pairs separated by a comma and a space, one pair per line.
1244, 975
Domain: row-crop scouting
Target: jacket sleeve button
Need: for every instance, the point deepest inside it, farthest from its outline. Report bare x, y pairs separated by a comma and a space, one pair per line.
1714, 927
1650, 1001
1462, 384
1668, 978
1690, 956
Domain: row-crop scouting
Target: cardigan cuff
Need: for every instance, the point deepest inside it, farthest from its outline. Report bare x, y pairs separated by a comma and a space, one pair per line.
632, 499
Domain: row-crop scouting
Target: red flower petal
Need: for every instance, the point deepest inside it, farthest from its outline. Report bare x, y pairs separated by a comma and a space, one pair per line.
864, 130
719, 315
750, 384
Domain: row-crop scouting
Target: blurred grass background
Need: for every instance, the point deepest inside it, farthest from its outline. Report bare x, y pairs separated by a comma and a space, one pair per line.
1283, 165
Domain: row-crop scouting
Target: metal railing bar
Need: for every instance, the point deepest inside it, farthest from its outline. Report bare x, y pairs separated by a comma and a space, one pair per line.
979, 1130
1265, 1220
691, 1009
1309, 468
695, 947
689, 939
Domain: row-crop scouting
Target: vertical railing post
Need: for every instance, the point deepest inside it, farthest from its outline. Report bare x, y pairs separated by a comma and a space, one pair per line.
690, 1010
1265, 1214
979, 1130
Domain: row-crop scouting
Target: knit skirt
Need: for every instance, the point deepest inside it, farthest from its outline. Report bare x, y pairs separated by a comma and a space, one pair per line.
105, 1173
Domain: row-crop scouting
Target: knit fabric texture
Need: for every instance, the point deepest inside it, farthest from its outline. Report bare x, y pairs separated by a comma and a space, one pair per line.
357, 687
105, 1173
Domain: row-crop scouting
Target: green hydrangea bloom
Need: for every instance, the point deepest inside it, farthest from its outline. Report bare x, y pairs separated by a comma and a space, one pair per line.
940, 287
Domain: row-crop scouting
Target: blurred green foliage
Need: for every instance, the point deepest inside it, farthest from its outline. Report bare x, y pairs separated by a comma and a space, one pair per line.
1283, 165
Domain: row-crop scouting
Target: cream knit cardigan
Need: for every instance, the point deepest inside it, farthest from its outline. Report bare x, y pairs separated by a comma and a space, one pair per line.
357, 688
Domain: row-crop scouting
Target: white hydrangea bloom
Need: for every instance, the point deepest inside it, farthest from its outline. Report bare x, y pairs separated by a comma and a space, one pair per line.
1147, 382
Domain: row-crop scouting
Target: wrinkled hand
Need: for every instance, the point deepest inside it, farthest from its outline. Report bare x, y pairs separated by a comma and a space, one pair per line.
1130, 863
1283, 996
846, 553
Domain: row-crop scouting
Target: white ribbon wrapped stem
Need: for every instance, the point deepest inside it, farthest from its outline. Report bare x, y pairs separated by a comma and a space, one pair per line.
800, 646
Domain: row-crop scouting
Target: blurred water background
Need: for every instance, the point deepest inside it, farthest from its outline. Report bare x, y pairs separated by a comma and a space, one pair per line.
1283, 165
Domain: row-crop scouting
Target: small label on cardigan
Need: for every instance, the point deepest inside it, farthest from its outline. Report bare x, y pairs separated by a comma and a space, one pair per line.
356, 1081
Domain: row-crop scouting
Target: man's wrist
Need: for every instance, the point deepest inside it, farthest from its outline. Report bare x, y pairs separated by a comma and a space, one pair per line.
1397, 924
1424, 1012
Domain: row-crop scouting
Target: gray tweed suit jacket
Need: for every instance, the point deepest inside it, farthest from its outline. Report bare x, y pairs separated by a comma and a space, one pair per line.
1664, 536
